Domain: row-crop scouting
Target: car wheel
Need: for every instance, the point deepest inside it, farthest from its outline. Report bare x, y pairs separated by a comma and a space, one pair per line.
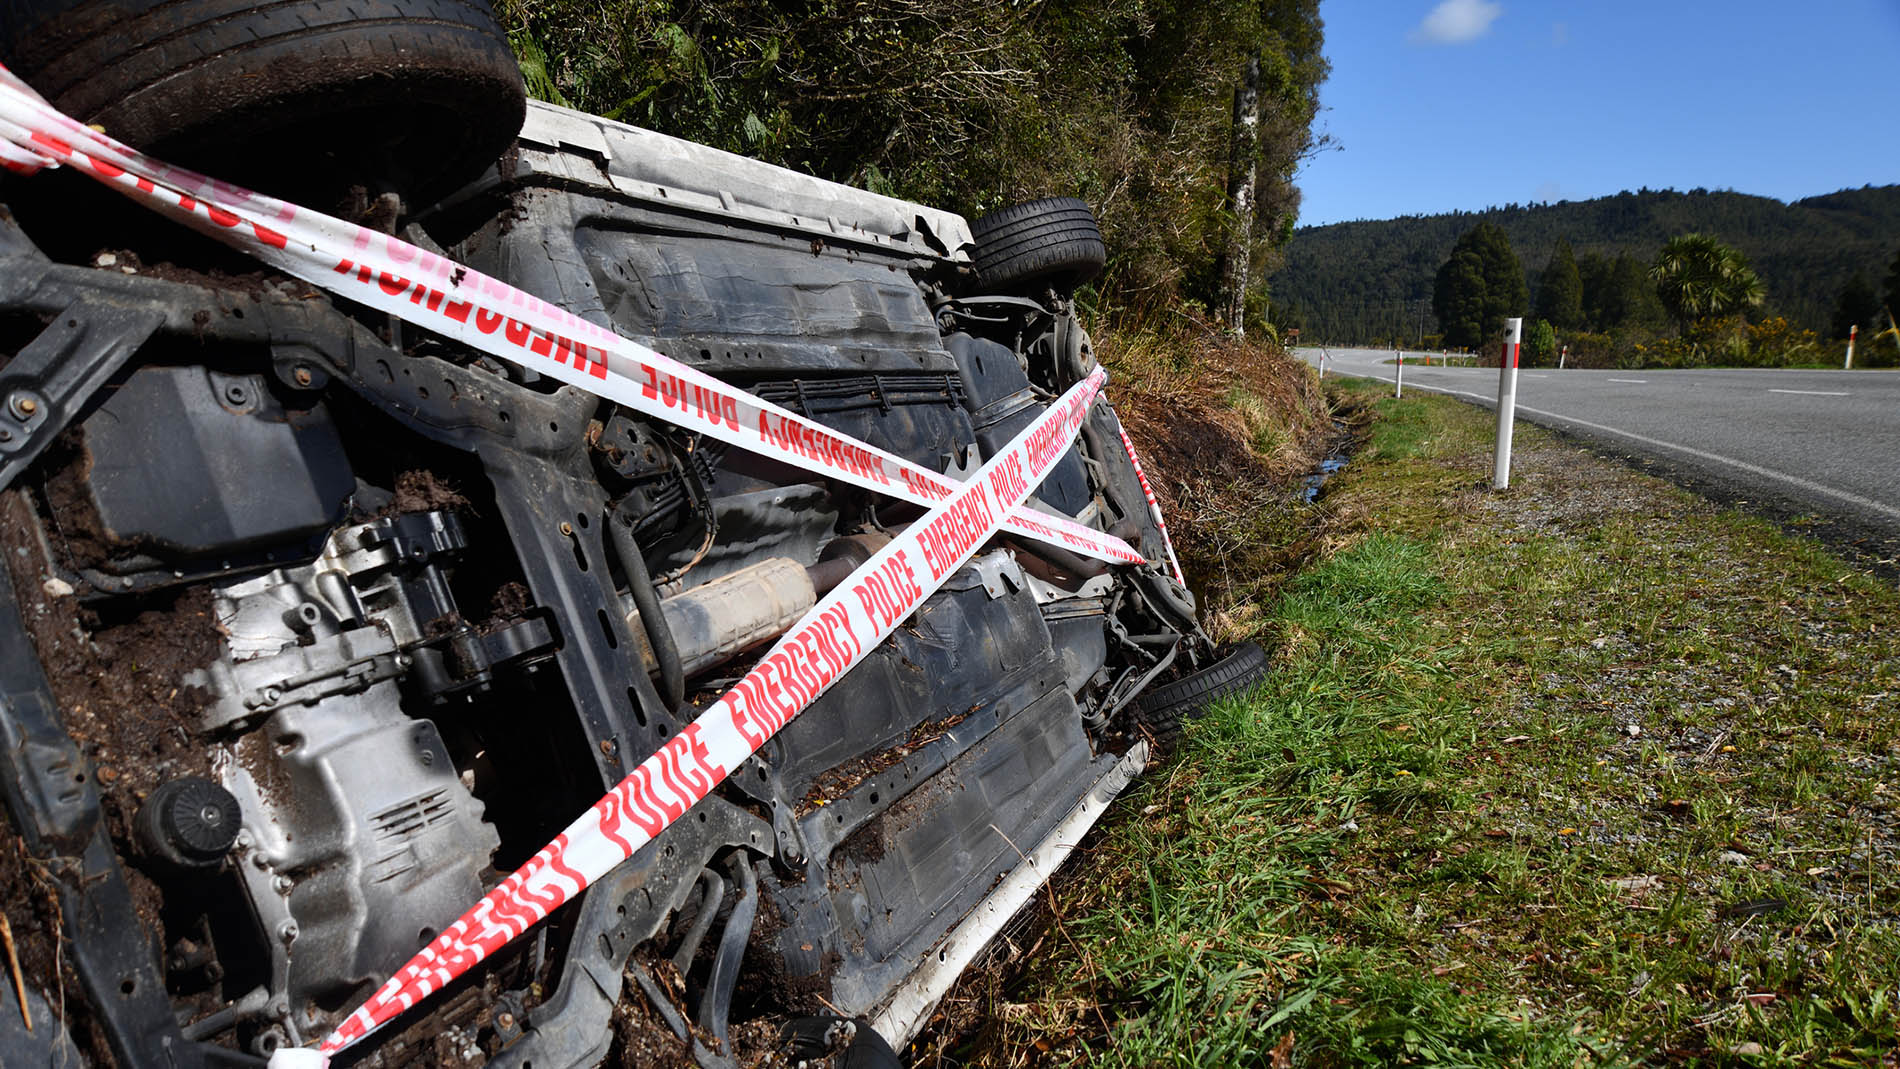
1054, 241
294, 97
1162, 709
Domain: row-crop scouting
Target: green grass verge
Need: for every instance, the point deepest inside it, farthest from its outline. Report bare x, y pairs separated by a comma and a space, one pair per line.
1588, 773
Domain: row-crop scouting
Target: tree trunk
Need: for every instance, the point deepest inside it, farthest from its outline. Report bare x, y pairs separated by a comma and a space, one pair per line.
1240, 183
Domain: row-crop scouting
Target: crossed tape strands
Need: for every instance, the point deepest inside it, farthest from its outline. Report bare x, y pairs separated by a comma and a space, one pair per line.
833, 636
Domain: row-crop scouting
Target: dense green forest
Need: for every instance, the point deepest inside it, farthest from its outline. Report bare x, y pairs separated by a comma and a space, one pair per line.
1366, 282
972, 105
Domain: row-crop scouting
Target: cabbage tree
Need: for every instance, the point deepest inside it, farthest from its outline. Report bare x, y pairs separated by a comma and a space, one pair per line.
1698, 277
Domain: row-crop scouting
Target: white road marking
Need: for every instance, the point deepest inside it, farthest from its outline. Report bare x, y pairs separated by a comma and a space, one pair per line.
1626, 380
1812, 393
1754, 469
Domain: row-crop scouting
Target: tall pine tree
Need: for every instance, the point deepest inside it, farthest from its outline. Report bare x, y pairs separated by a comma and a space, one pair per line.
1479, 285
1560, 289
1594, 271
1858, 307
1631, 300
1892, 293
1458, 299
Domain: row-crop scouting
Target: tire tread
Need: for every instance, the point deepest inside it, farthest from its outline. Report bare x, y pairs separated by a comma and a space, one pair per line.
1164, 708
1055, 239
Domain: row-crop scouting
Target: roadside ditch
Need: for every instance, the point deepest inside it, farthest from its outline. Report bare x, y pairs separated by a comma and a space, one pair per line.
1240, 442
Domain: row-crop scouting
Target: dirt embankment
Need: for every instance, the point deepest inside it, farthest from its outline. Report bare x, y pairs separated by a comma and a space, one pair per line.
1201, 407
1226, 430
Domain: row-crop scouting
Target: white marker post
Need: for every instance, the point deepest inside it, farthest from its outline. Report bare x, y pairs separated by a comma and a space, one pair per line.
1852, 332
1398, 383
1507, 401
1563, 354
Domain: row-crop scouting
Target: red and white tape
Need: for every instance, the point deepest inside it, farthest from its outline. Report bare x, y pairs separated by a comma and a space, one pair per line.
439, 295
831, 638
1154, 507
422, 288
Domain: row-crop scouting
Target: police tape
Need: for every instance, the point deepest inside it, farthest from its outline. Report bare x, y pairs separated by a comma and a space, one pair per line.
431, 291
834, 635
1154, 507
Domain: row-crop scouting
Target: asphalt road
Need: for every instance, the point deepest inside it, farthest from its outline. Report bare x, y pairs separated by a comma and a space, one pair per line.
1794, 444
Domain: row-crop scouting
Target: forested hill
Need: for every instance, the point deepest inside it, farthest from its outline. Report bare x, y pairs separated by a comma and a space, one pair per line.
1372, 281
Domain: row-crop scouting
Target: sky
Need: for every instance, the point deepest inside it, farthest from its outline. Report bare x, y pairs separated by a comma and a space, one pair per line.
1442, 105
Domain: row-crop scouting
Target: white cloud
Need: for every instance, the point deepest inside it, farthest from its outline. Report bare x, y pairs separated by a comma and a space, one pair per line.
1453, 22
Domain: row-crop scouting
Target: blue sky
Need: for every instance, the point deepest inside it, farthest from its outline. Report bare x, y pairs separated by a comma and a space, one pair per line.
1463, 104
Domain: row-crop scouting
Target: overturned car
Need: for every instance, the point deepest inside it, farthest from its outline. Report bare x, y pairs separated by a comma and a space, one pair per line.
315, 624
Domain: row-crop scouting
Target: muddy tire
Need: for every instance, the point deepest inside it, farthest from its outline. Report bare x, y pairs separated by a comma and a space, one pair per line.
1050, 242
1163, 709
295, 97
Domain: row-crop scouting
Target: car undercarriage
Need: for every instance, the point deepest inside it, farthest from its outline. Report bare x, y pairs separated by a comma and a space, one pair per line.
317, 624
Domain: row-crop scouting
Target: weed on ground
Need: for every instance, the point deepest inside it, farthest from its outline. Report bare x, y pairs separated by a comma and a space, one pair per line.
1588, 772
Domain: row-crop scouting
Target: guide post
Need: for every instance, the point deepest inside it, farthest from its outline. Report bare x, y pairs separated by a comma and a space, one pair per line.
1507, 401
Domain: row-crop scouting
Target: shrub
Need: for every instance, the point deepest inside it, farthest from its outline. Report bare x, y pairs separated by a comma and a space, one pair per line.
1540, 345
970, 104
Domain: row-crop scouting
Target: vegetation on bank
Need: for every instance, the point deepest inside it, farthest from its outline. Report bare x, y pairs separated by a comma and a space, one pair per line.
1587, 773
1223, 426
971, 107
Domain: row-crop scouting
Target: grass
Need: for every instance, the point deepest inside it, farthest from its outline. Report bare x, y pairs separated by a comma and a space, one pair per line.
1586, 773
1266, 434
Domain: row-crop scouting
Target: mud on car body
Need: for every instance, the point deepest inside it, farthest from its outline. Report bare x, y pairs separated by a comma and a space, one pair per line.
314, 625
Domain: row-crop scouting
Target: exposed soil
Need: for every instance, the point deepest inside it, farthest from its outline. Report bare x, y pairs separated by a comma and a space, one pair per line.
32, 911
836, 783
641, 1038
423, 491
771, 1043
117, 681
866, 845
755, 1044
764, 982
83, 534
1225, 442
258, 284
116, 686
511, 602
